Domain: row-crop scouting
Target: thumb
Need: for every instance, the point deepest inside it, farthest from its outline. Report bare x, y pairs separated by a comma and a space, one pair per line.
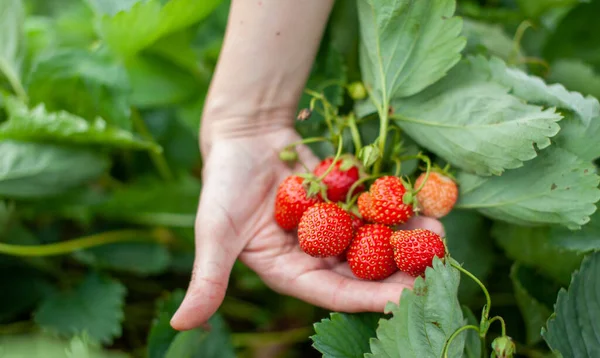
216, 252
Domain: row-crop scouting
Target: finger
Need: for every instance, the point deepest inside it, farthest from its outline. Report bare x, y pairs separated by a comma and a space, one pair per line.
340, 293
212, 266
424, 222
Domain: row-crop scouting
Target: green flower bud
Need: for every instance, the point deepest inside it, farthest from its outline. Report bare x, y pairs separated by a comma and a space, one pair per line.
357, 91
504, 347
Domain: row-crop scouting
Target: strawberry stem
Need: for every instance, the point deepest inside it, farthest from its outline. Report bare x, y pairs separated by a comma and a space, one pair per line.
514, 54
454, 335
307, 141
349, 197
486, 310
428, 171
158, 159
355, 133
335, 159
398, 166
329, 110
502, 323
383, 130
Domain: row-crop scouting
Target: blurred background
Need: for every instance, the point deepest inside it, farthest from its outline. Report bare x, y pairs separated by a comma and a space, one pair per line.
100, 109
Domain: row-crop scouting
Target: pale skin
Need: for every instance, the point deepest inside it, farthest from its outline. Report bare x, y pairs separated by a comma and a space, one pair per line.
248, 118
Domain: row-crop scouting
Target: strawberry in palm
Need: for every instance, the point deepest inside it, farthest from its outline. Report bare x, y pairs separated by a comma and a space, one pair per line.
414, 250
325, 230
371, 256
291, 202
437, 196
388, 206
339, 180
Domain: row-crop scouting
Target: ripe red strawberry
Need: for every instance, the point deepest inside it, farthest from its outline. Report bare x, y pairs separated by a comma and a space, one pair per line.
414, 249
364, 206
371, 256
325, 230
338, 181
291, 202
387, 205
438, 196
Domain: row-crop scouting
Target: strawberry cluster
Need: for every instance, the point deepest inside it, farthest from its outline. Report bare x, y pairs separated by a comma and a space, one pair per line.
329, 224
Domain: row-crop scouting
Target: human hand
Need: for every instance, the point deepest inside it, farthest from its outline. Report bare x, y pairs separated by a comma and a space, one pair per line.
235, 220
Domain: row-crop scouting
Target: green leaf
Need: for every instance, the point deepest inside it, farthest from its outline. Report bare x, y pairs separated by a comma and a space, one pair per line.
474, 122
574, 37
555, 188
406, 46
140, 258
81, 347
469, 242
88, 84
530, 246
111, 7
487, 38
31, 170
537, 8
534, 313
161, 334
130, 31
38, 124
6, 213
472, 341
12, 17
580, 127
198, 343
345, 335
576, 76
425, 319
180, 50
22, 287
95, 307
573, 329
41, 345
581, 241
154, 202
158, 82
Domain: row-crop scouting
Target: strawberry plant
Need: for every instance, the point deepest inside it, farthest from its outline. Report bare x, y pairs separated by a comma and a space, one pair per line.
483, 114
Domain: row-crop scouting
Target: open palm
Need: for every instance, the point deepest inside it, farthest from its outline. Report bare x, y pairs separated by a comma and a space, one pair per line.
235, 220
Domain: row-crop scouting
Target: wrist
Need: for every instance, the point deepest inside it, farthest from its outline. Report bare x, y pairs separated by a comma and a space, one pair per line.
239, 122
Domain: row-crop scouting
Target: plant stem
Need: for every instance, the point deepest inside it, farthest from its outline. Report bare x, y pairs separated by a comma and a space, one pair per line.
326, 107
268, 338
335, 159
160, 219
14, 80
307, 141
159, 160
331, 82
69, 246
383, 128
454, 335
513, 57
485, 291
502, 323
398, 166
355, 133
356, 185
427, 172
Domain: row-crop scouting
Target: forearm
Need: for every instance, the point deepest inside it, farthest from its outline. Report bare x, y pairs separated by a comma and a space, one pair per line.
267, 55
